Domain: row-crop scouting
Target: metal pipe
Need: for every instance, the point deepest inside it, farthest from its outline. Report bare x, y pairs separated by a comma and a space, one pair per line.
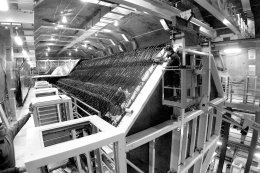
134, 166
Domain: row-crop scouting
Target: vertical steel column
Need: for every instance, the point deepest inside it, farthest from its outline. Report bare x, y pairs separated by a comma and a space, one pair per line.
183, 87
245, 91
151, 156
184, 52
231, 91
184, 143
203, 122
97, 154
253, 144
177, 138
210, 121
193, 136
10, 74
89, 161
45, 67
254, 89
218, 122
224, 144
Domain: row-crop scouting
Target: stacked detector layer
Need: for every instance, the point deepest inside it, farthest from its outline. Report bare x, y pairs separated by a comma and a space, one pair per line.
108, 83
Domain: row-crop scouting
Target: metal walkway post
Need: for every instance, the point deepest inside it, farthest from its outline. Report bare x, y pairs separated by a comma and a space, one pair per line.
224, 145
253, 144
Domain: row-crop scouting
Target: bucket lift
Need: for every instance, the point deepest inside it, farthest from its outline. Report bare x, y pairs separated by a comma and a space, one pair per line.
195, 140
182, 85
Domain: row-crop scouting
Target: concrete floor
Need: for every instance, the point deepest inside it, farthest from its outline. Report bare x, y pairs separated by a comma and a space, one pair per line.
20, 139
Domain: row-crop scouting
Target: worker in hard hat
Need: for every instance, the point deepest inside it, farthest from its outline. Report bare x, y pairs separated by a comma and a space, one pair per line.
7, 135
174, 58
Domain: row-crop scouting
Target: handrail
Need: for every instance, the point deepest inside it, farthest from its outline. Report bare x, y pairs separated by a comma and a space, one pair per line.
77, 106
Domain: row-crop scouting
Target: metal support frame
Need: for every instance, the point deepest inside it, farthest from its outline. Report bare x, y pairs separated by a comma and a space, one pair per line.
220, 16
39, 156
163, 10
45, 92
48, 103
180, 160
152, 156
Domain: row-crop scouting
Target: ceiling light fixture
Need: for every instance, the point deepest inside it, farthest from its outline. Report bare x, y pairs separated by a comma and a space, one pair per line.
125, 38
257, 155
4, 6
232, 50
105, 4
164, 24
107, 30
18, 40
219, 143
91, 1
25, 54
106, 20
60, 26
120, 48
226, 22
112, 42
64, 19
116, 23
69, 53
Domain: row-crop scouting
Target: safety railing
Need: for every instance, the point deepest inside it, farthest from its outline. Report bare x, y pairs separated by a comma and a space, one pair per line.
80, 112
246, 91
80, 108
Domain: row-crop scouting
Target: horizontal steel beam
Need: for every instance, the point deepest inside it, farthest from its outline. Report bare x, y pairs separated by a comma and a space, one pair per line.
52, 41
49, 44
17, 17
219, 15
53, 28
150, 134
241, 106
18, 55
56, 35
165, 11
